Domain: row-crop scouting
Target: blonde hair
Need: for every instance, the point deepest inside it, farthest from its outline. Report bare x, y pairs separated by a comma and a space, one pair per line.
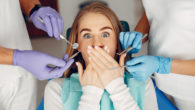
95, 7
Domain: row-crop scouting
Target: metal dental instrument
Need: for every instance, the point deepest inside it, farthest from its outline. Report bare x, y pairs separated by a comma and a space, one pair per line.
125, 51
130, 48
74, 46
74, 55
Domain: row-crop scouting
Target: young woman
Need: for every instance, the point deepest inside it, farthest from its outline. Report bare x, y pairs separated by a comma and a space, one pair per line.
96, 29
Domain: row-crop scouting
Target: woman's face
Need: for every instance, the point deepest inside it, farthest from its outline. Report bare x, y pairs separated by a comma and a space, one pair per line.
95, 29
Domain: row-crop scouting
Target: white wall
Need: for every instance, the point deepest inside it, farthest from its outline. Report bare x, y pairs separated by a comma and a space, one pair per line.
128, 10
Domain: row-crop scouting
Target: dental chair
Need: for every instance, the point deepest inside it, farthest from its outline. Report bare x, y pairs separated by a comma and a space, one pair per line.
163, 102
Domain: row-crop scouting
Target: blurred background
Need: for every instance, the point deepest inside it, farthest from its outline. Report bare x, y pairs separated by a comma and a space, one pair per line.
127, 10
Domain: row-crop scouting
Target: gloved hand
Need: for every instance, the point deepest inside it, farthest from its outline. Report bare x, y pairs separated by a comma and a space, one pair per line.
53, 22
133, 39
143, 67
36, 63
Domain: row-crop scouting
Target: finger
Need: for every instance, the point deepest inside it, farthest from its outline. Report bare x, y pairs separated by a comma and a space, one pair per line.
48, 25
89, 69
122, 60
138, 39
59, 20
105, 56
41, 25
98, 58
68, 64
132, 36
121, 35
134, 68
139, 46
55, 74
127, 39
55, 27
87, 74
80, 70
49, 75
96, 65
65, 57
42, 78
60, 70
55, 61
60, 24
135, 60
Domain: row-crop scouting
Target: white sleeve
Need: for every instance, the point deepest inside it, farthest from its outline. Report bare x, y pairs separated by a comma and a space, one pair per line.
150, 96
90, 99
52, 96
120, 96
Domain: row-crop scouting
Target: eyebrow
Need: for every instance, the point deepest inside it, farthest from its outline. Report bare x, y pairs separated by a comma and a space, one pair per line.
85, 29
103, 28
106, 27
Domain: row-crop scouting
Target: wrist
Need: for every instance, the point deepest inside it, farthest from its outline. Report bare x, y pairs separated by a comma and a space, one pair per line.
27, 5
114, 85
15, 52
34, 9
6, 56
93, 91
164, 65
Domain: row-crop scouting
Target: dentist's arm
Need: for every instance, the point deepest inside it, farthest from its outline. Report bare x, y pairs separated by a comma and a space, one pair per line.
35, 62
53, 23
143, 26
28, 5
6, 56
185, 67
143, 67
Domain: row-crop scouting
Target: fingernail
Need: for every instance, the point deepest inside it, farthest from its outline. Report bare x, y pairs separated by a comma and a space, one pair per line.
89, 51
96, 47
125, 55
77, 63
106, 47
108, 50
89, 47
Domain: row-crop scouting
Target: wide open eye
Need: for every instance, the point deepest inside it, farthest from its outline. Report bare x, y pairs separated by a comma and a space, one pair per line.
87, 36
105, 34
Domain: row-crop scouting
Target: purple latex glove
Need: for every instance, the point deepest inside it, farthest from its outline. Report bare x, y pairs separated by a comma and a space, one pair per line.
53, 22
36, 63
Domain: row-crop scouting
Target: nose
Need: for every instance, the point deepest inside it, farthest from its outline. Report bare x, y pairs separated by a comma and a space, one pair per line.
97, 42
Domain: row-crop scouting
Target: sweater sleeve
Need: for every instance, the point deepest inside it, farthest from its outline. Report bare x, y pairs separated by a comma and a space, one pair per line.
52, 96
120, 96
90, 99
